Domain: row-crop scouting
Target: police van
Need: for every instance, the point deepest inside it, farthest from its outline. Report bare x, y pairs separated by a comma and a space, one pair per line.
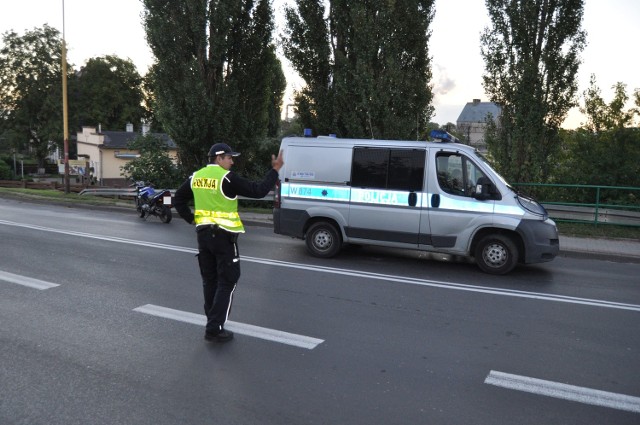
438, 196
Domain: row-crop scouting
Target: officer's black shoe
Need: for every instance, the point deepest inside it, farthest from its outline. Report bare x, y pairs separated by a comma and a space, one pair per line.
222, 336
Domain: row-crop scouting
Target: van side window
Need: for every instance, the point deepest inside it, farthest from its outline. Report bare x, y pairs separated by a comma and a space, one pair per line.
391, 169
370, 168
457, 174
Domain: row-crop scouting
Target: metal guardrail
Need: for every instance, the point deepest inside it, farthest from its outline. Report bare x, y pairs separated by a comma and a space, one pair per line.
596, 212
593, 215
105, 191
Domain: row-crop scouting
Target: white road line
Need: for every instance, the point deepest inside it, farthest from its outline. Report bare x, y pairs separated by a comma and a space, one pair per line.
99, 237
26, 281
449, 285
240, 328
362, 274
564, 391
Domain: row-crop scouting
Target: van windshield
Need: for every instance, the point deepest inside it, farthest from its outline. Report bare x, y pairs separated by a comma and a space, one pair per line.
488, 164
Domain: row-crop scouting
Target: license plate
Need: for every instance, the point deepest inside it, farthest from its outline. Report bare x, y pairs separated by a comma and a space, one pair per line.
166, 200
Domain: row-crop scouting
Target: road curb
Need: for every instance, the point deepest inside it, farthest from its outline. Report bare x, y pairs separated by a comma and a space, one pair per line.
602, 256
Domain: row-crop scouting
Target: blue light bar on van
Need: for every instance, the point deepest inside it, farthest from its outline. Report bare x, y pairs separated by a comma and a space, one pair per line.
443, 136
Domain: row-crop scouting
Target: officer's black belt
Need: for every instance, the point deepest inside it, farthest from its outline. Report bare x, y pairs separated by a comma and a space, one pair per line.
215, 230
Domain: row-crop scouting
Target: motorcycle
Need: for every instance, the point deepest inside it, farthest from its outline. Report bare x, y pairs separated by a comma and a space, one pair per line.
152, 202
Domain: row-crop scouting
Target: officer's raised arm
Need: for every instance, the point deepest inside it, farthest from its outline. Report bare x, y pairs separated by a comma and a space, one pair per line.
278, 162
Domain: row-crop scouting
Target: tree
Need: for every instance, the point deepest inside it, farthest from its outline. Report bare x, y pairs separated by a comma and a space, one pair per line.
606, 149
153, 165
531, 55
216, 76
31, 90
601, 116
367, 68
307, 46
277, 85
6, 173
108, 92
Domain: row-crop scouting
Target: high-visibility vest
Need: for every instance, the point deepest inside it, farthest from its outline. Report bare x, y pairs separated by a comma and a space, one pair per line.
211, 205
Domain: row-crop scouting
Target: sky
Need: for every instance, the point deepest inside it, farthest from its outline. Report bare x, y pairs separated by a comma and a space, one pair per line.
94, 28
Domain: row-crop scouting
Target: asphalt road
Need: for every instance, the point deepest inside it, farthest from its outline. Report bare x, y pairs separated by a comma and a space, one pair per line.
101, 323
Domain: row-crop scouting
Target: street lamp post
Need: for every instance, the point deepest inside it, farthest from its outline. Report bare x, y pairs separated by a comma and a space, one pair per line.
65, 108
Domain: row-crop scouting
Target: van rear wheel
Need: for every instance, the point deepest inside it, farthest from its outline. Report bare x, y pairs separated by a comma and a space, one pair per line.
496, 254
323, 240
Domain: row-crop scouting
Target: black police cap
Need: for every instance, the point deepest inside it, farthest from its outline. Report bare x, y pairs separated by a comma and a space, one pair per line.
222, 149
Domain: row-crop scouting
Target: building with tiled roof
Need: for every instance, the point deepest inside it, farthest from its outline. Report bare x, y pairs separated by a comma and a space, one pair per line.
107, 151
472, 122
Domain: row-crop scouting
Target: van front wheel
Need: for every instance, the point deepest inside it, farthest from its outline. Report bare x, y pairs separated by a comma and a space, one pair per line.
496, 254
323, 240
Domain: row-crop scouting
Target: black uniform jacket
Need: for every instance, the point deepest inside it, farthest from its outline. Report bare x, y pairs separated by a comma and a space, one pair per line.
232, 185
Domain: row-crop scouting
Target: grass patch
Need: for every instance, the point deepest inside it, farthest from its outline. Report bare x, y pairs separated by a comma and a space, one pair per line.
57, 196
590, 230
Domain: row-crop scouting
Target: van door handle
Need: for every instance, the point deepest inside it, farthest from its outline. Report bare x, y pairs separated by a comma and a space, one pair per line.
435, 200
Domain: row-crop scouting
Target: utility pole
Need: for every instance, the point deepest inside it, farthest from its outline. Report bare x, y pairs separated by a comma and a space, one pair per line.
65, 112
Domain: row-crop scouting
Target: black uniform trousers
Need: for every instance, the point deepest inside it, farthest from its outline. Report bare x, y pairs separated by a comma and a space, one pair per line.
219, 263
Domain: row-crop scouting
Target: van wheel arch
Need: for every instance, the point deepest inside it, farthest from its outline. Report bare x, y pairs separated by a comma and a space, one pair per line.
323, 237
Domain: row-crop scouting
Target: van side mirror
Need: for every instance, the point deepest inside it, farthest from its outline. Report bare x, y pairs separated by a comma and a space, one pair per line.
484, 190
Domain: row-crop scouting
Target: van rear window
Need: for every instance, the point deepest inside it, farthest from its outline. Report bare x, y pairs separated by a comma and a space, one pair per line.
390, 169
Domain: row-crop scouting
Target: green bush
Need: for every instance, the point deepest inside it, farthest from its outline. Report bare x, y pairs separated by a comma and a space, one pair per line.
154, 164
5, 171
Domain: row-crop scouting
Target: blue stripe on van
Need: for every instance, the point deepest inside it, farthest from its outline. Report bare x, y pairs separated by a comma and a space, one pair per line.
390, 197
458, 203
347, 194
382, 197
307, 191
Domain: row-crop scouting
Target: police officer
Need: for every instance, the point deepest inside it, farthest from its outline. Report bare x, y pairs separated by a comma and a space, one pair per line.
214, 190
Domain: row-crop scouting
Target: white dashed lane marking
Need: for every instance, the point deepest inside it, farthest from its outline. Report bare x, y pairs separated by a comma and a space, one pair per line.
240, 328
26, 281
564, 391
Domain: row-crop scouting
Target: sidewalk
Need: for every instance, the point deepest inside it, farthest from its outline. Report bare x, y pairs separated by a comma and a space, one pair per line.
608, 249
626, 250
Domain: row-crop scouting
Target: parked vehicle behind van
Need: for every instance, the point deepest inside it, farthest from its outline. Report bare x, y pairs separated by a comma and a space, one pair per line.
437, 196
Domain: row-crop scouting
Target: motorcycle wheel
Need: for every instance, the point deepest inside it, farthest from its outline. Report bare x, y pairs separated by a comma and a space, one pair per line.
139, 208
165, 214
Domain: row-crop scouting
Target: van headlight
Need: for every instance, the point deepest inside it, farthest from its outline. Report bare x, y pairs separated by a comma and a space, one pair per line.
532, 206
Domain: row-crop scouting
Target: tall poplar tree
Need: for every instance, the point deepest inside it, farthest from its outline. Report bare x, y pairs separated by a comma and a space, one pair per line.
216, 76
531, 53
366, 66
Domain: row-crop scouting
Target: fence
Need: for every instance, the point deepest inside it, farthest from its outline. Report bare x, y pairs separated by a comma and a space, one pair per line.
52, 185
618, 205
